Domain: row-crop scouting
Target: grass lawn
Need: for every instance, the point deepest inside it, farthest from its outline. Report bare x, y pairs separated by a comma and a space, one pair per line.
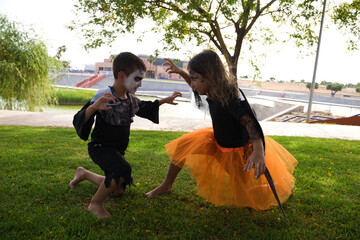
36, 203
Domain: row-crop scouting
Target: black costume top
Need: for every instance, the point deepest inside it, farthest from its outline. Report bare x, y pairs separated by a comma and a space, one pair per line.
112, 127
232, 123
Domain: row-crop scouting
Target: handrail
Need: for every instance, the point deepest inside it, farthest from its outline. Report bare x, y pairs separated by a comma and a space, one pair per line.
92, 82
86, 80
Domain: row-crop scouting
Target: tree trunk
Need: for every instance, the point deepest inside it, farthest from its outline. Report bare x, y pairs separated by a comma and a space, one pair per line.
232, 66
233, 69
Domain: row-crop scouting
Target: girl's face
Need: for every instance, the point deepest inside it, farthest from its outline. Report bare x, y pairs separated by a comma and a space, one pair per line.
133, 81
200, 83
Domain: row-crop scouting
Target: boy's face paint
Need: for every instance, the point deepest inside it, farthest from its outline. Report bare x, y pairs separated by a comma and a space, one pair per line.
133, 81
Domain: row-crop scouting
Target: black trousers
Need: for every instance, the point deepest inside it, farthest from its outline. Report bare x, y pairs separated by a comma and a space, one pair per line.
112, 162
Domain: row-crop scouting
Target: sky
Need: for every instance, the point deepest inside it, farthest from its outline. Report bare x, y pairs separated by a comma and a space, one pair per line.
49, 18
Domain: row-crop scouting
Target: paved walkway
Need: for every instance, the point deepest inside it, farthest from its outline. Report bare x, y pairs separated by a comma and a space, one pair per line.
47, 119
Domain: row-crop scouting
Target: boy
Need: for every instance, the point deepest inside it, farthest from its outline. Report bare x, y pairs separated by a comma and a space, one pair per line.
114, 108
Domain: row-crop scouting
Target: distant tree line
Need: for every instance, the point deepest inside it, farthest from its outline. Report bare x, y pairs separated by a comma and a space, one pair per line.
333, 87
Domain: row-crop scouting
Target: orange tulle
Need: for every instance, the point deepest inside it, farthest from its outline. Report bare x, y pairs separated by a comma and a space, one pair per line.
219, 171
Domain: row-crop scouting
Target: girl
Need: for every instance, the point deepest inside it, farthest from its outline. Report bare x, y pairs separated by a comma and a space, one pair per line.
221, 158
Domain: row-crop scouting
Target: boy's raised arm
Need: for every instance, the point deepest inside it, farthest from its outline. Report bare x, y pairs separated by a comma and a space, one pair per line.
99, 104
170, 99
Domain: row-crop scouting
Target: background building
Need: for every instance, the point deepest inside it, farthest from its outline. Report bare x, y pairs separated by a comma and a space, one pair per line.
89, 68
154, 69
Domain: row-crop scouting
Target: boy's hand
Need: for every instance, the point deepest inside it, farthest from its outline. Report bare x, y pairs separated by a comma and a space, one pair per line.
100, 104
256, 159
172, 67
170, 99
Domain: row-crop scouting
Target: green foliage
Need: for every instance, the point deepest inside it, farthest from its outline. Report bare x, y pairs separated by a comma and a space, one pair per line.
308, 85
325, 83
151, 59
36, 203
347, 17
204, 22
349, 85
334, 87
357, 89
24, 68
60, 51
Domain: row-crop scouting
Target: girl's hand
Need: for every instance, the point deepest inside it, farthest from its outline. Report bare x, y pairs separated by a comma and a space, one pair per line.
256, 159
170, 99
100, 104
172, 67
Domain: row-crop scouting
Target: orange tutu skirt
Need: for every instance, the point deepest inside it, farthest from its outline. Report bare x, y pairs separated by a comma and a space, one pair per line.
219, 173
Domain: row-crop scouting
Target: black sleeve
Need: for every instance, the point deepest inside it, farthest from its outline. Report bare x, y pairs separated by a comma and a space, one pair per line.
241, 110
149, 110
83, 130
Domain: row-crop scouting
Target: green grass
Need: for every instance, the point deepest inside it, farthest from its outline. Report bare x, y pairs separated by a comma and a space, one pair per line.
36, 203
77, 97
68, 96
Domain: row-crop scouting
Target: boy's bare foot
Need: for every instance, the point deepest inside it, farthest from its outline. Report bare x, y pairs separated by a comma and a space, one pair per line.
161, 189
79, 176
99, 210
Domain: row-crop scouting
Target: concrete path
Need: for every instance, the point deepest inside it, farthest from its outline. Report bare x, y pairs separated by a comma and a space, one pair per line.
47, 119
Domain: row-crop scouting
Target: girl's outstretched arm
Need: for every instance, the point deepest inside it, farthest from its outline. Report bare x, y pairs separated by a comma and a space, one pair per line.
257, 158
175, 69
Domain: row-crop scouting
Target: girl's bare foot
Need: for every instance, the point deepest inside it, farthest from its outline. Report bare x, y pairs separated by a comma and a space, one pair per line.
161, 189
99, 210
117, 192
79, 176
119, 189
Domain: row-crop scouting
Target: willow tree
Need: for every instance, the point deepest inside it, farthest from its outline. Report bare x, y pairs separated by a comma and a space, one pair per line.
24, 68
228, 25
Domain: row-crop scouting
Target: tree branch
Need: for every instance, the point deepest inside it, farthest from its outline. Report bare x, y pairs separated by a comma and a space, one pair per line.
211, 37
214, 25
257, 15
218, 9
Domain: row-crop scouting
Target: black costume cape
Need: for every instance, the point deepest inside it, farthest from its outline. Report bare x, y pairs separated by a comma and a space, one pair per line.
247, 106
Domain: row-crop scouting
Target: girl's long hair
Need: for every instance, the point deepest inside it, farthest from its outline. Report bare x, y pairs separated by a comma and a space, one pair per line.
222, 86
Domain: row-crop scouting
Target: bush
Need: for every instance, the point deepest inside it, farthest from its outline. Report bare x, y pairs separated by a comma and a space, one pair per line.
308, 85
334, 88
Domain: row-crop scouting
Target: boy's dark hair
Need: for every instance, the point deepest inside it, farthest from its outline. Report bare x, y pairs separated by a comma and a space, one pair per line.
128, 63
